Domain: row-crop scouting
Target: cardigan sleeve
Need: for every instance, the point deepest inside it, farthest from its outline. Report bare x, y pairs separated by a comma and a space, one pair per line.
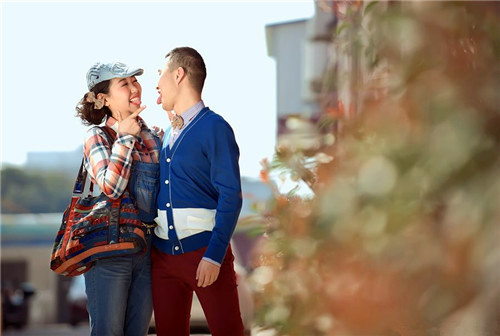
225, 177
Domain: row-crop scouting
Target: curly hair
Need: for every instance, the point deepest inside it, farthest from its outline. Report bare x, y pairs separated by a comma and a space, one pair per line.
87, 112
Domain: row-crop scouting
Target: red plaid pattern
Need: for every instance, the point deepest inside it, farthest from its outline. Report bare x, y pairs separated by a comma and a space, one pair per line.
109, 168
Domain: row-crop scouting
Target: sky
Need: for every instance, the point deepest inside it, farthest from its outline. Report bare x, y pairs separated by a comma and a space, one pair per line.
47, 48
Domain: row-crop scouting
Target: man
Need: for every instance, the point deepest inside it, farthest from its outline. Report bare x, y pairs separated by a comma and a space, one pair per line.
199, 204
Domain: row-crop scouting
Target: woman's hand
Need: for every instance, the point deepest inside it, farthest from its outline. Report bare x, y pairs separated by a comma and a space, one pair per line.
130, 125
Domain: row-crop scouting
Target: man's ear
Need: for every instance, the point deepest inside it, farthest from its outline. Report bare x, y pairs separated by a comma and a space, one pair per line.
180, 74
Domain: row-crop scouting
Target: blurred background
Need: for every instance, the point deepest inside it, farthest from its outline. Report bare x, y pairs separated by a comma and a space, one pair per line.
369, 141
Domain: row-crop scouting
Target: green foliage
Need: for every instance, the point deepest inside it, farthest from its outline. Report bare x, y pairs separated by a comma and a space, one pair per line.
34, 192
402, 233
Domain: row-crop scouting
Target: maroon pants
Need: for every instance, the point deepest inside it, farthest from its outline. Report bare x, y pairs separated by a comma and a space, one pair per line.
173, 282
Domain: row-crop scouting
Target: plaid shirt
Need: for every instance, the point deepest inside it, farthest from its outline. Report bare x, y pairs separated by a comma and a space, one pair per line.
109, 168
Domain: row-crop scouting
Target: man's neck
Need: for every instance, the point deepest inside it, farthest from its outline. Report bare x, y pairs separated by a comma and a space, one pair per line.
185, 103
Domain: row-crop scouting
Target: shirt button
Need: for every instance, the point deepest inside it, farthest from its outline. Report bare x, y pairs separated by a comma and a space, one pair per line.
168, 160
176, 248
166, 182
171, 227
168, 205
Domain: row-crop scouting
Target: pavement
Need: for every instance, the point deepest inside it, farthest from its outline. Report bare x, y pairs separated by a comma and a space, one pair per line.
57, 330
80, 330
49, 330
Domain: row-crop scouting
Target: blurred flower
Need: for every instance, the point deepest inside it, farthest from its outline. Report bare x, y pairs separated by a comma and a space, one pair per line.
401, 234
377, 176
264, 176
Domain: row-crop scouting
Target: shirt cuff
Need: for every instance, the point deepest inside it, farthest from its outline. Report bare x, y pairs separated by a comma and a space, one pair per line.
211, 261
126, 140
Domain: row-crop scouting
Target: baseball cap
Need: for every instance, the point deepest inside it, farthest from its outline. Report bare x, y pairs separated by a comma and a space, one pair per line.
101, 72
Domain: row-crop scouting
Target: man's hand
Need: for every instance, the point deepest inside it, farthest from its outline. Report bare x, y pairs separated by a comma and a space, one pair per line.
207, 273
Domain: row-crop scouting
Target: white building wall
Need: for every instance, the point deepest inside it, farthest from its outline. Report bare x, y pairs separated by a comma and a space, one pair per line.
287, 45
301, 50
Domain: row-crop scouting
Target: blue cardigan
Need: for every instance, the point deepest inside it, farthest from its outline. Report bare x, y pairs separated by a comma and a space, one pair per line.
200, 188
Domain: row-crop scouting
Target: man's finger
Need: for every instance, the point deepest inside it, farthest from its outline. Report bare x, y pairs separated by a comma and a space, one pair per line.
199, 275
207, 281
201, 280
136, 113
210, 280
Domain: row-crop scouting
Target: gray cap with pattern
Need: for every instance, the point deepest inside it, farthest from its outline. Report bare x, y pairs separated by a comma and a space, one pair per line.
101, 72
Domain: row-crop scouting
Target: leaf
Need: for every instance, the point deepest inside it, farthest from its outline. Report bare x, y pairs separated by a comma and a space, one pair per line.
369, 7
340, 28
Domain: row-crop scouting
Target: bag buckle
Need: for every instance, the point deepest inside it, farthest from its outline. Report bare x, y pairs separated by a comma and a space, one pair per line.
149, 227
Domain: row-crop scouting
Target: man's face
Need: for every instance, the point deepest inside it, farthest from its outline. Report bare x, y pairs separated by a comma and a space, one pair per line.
167, 88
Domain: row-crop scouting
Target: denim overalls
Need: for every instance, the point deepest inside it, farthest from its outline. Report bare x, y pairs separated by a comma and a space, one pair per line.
120, 287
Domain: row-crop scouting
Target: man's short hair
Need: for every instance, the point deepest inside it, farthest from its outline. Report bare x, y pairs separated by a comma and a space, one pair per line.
192, 63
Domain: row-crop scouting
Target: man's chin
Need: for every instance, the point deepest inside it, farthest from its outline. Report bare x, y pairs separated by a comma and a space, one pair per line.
166, 107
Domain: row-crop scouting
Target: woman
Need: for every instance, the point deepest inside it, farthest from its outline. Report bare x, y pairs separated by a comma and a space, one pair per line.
119, 288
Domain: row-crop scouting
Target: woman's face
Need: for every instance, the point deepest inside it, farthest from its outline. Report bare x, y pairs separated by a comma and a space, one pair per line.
124, 96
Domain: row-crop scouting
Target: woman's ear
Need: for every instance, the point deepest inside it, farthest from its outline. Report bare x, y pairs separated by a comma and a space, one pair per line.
102, 98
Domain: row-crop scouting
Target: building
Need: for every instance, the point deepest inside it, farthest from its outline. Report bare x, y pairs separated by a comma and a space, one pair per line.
26, 242
301, 50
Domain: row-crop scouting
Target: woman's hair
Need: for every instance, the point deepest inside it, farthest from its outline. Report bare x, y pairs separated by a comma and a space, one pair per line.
86, 110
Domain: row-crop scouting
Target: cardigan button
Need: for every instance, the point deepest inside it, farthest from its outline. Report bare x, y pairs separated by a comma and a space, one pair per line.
168, 160
176, 248
171, 227
168, 205
167, 182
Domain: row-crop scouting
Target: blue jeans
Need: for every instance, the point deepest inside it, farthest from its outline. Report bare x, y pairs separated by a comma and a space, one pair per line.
119, 295
118, 289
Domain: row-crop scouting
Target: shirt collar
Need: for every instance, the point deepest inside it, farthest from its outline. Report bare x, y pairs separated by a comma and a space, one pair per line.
191, 112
